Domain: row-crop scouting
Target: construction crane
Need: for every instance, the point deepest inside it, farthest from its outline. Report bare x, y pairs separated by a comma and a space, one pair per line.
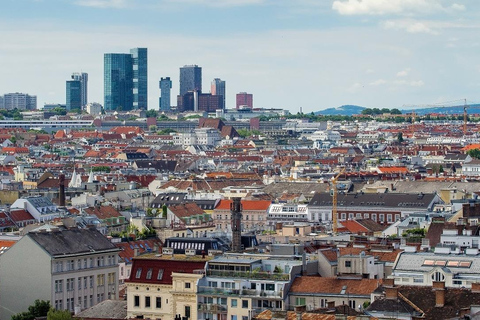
334, 194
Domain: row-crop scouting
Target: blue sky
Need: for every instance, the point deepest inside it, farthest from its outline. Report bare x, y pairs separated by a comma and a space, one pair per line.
292, 54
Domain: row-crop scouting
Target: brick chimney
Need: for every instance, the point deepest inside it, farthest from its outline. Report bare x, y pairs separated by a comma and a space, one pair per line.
389, 282
439, 288
391, 293
476, 287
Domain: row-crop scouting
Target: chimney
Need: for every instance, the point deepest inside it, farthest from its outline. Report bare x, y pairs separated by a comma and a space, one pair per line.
476, 287
439, 288
236, 211
390, 282
61, 193
391, 293
299, 310
135, 252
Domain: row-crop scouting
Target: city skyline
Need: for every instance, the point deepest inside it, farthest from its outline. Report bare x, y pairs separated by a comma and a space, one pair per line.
373, 53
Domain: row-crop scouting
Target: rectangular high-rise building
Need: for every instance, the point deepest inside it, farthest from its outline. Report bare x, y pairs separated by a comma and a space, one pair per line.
73, 95
190, 79
165, 98
125, 80
20, 101
244, 99
140, 78
83, 78
218, 89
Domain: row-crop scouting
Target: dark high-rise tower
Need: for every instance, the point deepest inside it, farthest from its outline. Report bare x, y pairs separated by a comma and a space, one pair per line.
125, 80
190, 79
73, 95
83, 78
218, 89
165, 88
140, 78
236, 211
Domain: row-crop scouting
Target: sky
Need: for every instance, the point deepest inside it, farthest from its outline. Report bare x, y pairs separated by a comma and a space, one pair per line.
304, 55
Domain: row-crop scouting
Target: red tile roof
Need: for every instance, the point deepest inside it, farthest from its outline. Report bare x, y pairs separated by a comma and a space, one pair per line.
246, 204
128, 248
318, 285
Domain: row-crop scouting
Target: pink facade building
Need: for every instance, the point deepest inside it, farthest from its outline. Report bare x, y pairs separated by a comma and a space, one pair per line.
244, 99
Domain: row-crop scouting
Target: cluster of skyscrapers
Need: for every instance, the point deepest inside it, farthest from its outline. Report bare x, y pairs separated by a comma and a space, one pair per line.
126, 87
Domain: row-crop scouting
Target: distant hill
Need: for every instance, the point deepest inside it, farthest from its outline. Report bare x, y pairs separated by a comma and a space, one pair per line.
471, 109
345, 110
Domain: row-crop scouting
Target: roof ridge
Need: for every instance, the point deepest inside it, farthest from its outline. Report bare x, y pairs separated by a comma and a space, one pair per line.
410, 303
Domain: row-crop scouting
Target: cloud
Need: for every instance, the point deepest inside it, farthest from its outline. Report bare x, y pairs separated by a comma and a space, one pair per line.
403, 73
102, 3
384, 7
378, 82
219, 3
413, 26
410, 83
458, 7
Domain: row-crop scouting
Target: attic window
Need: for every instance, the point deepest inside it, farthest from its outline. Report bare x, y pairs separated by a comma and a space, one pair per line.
160, 274
139, 273
149, 273
428, 262
465, 264
440, 263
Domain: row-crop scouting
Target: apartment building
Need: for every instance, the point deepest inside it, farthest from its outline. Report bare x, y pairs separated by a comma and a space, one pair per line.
74, 268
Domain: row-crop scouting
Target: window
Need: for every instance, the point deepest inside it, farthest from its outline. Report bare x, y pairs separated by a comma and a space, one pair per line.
91, 300
100, 280
58, 285
160, 274
233, 303
70, 284
79, 283
382, 217
233, 317
149, 273
299, 301
85, 302
59, 304
91, 281
187, 311
348, 264
147, 302
85, 263
158, 302
270, 286
70, 265
79, 264
139, 273
136, 301
111, 278
187, 285
245, 304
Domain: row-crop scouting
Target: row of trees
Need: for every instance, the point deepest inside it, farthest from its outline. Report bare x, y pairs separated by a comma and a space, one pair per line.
40, 309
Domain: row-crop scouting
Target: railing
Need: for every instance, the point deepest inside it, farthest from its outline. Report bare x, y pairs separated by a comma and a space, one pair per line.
240, 292
249, 274
212, 308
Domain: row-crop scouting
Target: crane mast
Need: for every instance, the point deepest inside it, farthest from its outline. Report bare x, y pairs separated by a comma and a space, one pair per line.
334, 201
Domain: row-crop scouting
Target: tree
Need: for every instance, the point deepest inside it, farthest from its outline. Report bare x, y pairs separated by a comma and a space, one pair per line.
395, 111
151, 113
59, 314
474, 153
40, 308
400, 137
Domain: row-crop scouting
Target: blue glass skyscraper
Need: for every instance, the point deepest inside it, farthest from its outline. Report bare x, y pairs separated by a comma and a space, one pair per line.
125, 80
190, 79
73, 94
140, 78
165, 88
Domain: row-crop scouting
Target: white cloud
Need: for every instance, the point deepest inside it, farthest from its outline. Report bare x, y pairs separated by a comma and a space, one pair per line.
378, 82
383, 7
102, 3
403, 73
410, 83
219, 3
458, 7
411, 26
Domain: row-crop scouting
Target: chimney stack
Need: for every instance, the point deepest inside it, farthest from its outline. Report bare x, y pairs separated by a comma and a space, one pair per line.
61, 193
236, 211
439, 288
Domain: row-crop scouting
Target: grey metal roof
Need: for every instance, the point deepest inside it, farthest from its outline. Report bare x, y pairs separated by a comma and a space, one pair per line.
375, 200
410, 261
108, 309
72, 241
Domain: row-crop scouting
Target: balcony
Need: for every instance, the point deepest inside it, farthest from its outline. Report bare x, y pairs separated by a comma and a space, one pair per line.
212, 308
249, 275
239, 292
